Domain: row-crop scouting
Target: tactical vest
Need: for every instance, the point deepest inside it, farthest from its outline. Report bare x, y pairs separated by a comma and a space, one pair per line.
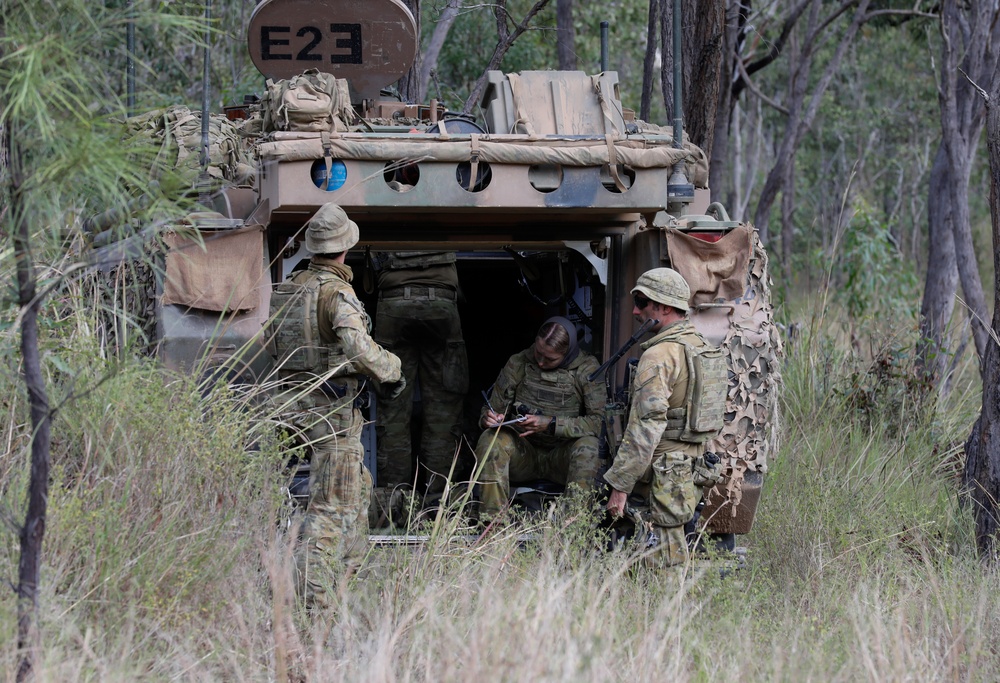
399, 260
702, 416
295, 340
551, 392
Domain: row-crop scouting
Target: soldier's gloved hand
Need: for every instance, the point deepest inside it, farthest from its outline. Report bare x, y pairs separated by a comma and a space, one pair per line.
391, 390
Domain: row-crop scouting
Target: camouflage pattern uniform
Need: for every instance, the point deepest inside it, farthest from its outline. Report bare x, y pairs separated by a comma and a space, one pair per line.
417, 319
568, 455
335, 529
650, 460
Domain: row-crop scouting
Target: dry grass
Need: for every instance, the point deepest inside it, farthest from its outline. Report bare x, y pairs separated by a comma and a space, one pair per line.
168, 553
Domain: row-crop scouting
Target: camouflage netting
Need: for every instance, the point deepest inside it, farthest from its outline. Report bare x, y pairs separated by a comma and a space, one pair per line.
176, 130
125, 297
752, 414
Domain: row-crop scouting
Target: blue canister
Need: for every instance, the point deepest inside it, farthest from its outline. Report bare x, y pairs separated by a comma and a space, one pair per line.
338, 174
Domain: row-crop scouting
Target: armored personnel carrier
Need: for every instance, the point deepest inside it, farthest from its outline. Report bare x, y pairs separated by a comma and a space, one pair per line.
554, 200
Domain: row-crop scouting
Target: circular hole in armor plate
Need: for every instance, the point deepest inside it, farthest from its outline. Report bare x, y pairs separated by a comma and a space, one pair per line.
456, 124
338, 175
401, 176
625, 173
545, 177
484, 174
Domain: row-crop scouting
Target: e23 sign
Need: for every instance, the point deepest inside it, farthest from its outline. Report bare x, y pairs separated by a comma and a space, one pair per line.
371, 43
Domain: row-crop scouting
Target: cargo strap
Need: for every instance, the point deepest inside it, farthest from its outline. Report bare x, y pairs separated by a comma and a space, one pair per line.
517, 94
474, 161
613, 164
418, 292
327, 158
610, 135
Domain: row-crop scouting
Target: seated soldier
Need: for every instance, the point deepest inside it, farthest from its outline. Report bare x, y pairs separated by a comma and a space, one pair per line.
558, 437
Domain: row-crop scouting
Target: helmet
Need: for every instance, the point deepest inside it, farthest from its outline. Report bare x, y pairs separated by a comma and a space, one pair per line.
665, 286
330, 231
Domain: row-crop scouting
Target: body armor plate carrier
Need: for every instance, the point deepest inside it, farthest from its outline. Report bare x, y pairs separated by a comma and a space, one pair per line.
702, 417
294, 337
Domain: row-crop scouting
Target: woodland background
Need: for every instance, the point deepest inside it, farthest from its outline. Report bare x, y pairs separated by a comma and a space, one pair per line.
850, 133
851, 127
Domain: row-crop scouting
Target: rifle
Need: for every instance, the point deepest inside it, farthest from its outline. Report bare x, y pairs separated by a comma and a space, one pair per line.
623, 350
612, 408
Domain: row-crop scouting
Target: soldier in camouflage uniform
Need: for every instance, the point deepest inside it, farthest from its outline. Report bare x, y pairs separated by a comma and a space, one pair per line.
558, 439
653, 460
323, 401
417, 319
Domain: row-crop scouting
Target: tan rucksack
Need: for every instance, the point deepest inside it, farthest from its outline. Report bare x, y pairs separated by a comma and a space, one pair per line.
313, 101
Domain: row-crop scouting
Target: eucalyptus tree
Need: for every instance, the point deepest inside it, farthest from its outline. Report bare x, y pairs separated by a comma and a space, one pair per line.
565, 35
702, 54
61, 68
808, 41
982, 465
409, 84
970, 39
509, 28
442, 22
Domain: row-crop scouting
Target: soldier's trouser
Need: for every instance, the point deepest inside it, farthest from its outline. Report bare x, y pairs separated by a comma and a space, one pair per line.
574, 462
335, 529
426, 334
673, 497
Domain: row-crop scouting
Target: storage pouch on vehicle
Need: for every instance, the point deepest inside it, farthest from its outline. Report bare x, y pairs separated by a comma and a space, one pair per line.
218, 270
713, 270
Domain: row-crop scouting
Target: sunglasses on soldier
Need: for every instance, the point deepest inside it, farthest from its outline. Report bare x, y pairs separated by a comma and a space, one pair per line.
640, 301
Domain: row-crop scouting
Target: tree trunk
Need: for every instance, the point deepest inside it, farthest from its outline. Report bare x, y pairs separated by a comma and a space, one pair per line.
565, 35
429, 60
721, 167
649, 62
800, 115
33, 530
787, 220
409, 84
704, 40
941, 283
969, 31
982, 450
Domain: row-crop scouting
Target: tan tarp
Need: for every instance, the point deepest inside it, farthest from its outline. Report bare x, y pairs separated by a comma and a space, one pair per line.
221, 273
713, 270
637, 154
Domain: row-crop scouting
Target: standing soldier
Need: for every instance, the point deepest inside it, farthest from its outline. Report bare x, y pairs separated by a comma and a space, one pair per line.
324, 355
677, 405
417, 319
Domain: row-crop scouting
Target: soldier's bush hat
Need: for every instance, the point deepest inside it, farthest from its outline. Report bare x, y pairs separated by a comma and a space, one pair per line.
665, 286
330, 231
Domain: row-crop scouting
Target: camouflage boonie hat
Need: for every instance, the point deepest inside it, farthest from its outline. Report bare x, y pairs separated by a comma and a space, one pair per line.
665, 286
330, 231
